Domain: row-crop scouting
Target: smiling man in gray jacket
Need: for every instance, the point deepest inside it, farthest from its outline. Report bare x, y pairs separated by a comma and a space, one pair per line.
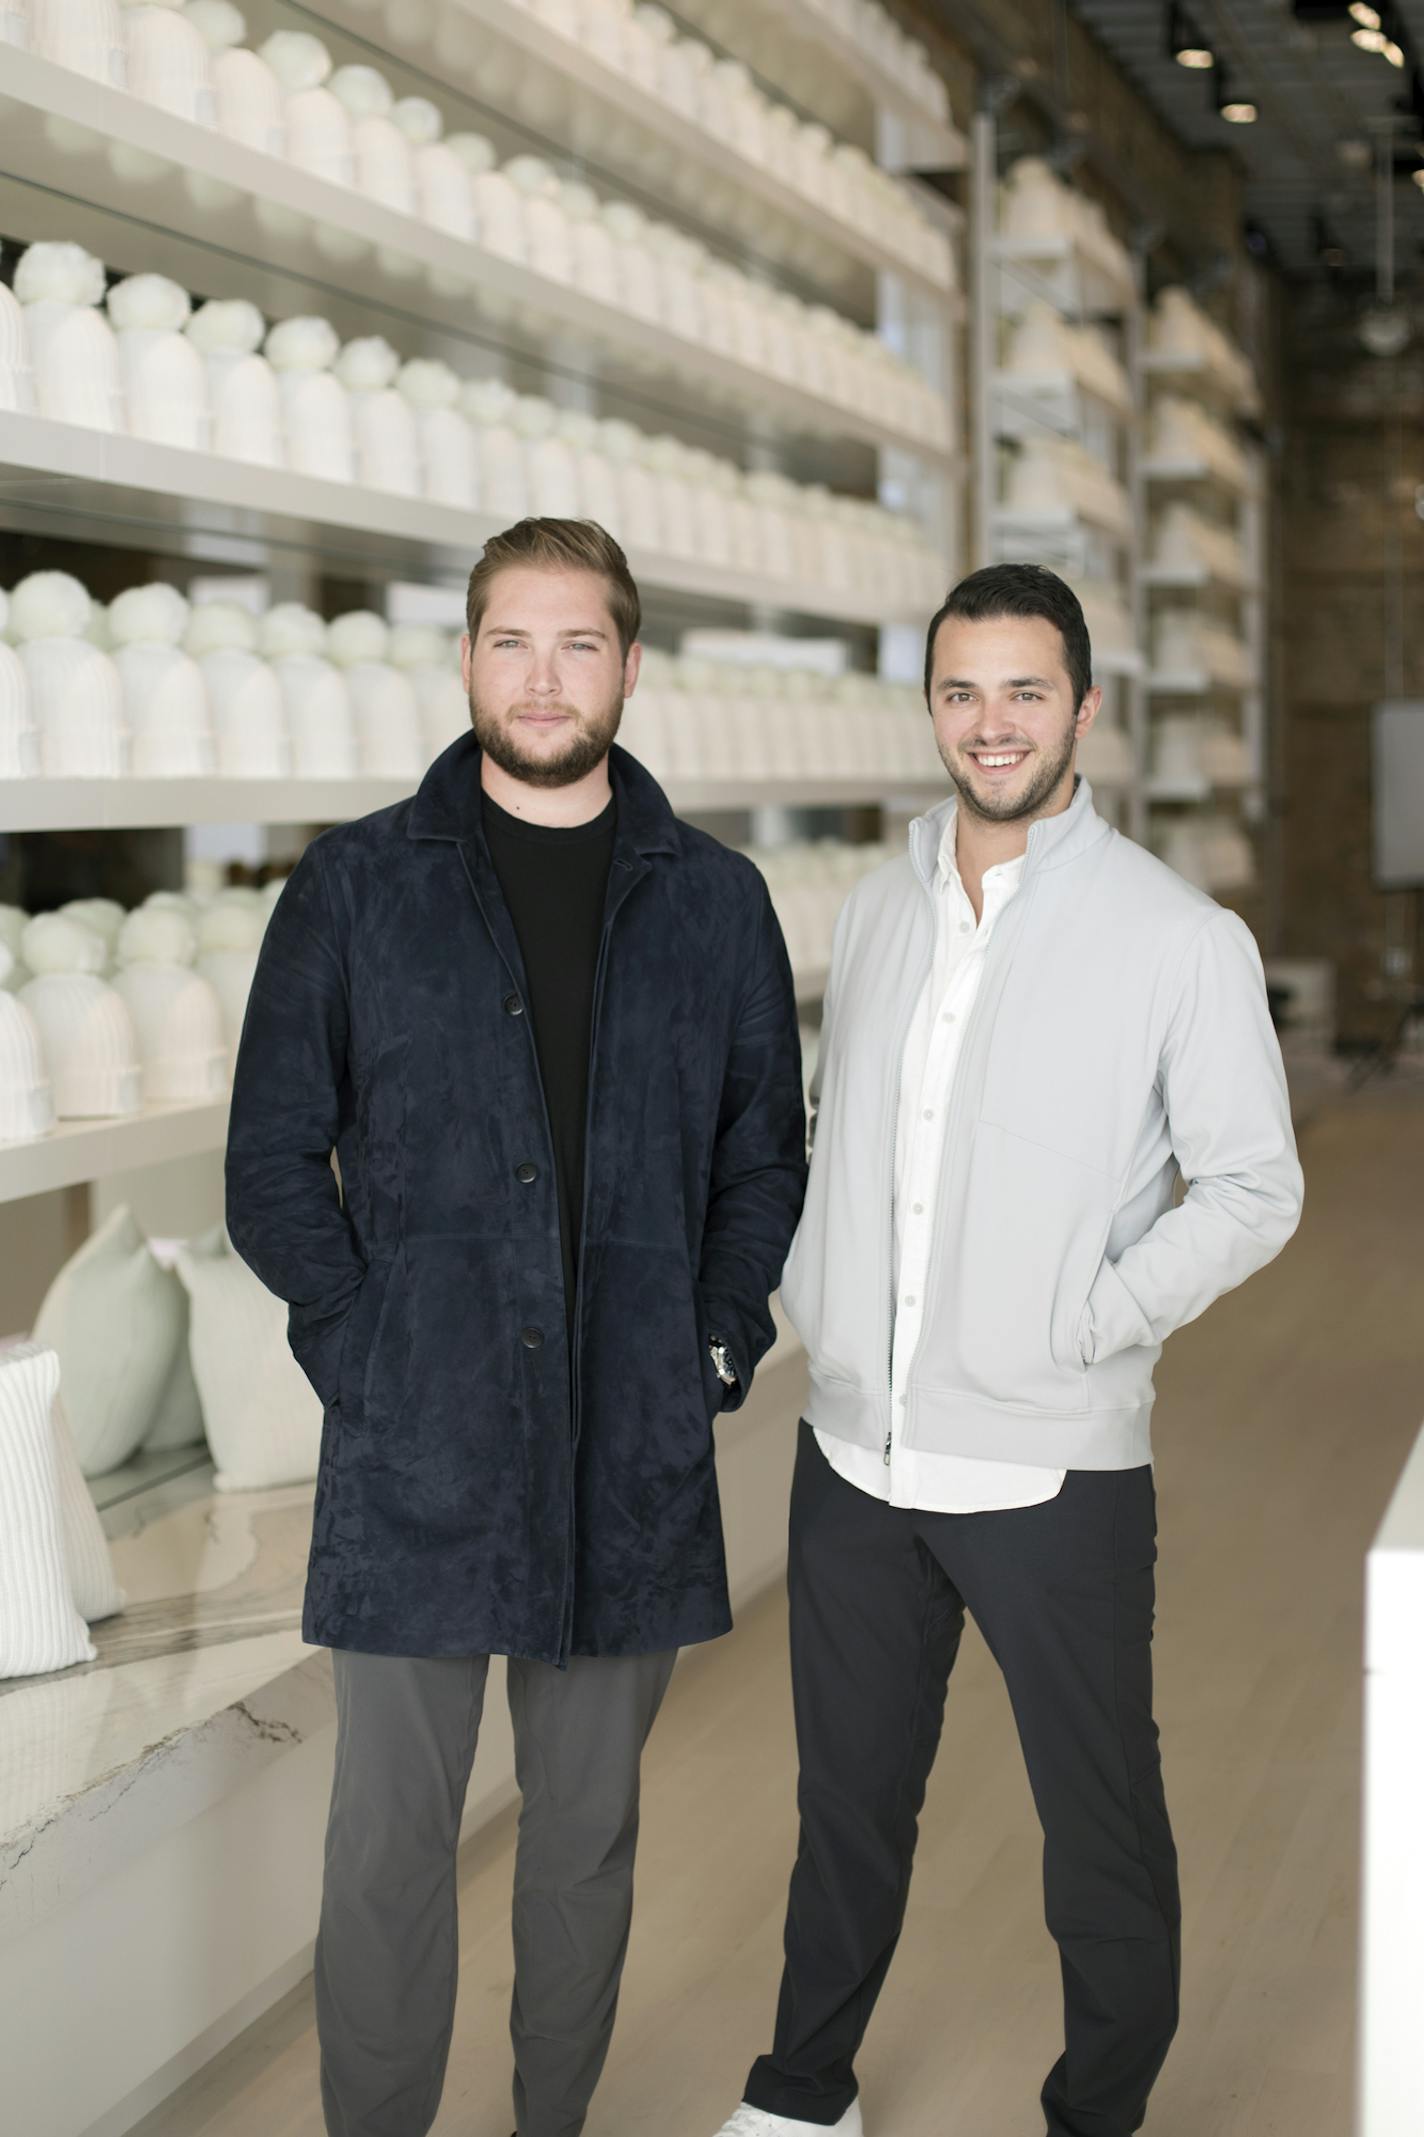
1032, 1031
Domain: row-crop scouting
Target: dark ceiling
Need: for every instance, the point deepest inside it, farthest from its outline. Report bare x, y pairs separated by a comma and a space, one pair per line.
1310, 158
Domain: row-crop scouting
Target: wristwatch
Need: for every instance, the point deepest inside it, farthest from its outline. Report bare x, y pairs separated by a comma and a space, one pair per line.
717, 1351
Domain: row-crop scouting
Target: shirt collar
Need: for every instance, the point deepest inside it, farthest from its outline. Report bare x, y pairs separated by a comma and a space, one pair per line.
999, 881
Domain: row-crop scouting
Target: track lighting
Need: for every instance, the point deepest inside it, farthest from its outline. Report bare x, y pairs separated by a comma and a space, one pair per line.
1378, 29
1237, 110
1185, 41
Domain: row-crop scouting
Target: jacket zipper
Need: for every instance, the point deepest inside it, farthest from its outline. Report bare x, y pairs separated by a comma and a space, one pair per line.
956, 1108
887, 1340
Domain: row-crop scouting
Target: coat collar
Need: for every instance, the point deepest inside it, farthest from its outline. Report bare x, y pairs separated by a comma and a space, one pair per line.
447, 801
1051, 841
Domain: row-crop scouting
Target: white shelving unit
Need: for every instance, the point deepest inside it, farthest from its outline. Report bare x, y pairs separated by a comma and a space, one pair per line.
128, 804
148, 191
58, 478
78, 1152
1093, 538
272, 224
810, 54
498, 52
1225, 492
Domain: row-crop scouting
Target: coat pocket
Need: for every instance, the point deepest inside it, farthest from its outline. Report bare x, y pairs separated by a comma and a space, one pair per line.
362, 1337
714, 1394
1027, 1242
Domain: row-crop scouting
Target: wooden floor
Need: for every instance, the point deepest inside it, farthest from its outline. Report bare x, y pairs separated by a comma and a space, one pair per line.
1284, 1418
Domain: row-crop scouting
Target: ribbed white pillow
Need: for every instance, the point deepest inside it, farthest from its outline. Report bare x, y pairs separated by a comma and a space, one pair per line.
96, 1592
263, 1419
116, 1318
40, 1628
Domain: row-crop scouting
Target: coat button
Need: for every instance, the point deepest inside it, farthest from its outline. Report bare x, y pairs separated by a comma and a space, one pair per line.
531, 1338
513, 1007
526, 1173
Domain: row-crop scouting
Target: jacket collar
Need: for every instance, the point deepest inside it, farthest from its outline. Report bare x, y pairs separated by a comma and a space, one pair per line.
447, 801
1052, 841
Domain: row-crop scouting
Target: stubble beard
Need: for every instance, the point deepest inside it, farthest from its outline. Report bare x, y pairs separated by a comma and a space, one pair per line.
992, 808
583, 751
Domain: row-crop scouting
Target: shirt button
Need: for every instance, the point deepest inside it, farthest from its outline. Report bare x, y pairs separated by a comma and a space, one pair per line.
949, 1016
910, 1299
929, 1112
526, 1173
919, 1209
513, 1007
531, 1338
964, 927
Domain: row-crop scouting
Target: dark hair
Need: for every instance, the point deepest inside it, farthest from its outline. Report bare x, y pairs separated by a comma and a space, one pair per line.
558, 545
1021, 590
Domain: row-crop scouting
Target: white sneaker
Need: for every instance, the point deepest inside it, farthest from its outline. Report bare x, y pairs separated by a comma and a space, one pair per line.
754, 2122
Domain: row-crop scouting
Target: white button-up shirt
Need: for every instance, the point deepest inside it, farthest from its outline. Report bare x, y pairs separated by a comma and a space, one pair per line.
936, 1483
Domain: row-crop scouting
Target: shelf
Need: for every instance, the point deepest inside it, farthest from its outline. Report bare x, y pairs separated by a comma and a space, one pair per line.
1119, 661
1195, 791
77, 1151
1192, 579
1193, 470
1193, 682
112, 804
1195, 375
239, 224
802, 50
1064, 525
1026, 402
492, 49
61, 479
127, 804
1063, 273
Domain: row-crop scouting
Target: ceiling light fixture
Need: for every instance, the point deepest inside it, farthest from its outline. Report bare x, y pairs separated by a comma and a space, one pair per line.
1235, 109
1185, 41
1394, 53
1369, 40
1367, 17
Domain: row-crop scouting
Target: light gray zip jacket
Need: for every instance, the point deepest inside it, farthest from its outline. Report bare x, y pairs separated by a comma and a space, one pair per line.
1120, 1037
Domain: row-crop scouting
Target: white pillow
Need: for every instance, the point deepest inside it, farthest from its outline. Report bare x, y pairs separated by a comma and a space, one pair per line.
178, 1420
263, 1418
96, 1592
116, 1320
40, 1629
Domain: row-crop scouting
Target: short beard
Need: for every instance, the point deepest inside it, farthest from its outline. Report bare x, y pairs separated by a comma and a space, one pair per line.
585, 751
1030, 803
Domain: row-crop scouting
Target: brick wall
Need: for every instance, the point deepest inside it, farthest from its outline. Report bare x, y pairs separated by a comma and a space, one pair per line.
1352, 631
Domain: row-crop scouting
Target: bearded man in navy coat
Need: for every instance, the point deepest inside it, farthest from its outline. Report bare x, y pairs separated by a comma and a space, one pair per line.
549, 1031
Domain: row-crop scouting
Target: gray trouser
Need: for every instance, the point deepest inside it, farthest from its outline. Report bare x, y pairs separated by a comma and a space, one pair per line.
387, 1949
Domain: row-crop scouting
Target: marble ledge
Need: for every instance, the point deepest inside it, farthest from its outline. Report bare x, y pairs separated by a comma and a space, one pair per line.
200, 1682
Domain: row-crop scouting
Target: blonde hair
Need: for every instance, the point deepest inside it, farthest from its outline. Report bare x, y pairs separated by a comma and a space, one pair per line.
558, 545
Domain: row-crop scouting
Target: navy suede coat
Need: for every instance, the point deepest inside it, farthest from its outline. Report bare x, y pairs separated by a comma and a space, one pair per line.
479, 1491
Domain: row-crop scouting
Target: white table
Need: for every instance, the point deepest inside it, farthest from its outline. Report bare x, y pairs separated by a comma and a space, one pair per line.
1391, 2076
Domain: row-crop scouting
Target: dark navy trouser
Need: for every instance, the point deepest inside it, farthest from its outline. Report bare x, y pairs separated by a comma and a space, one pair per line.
1063, 1594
